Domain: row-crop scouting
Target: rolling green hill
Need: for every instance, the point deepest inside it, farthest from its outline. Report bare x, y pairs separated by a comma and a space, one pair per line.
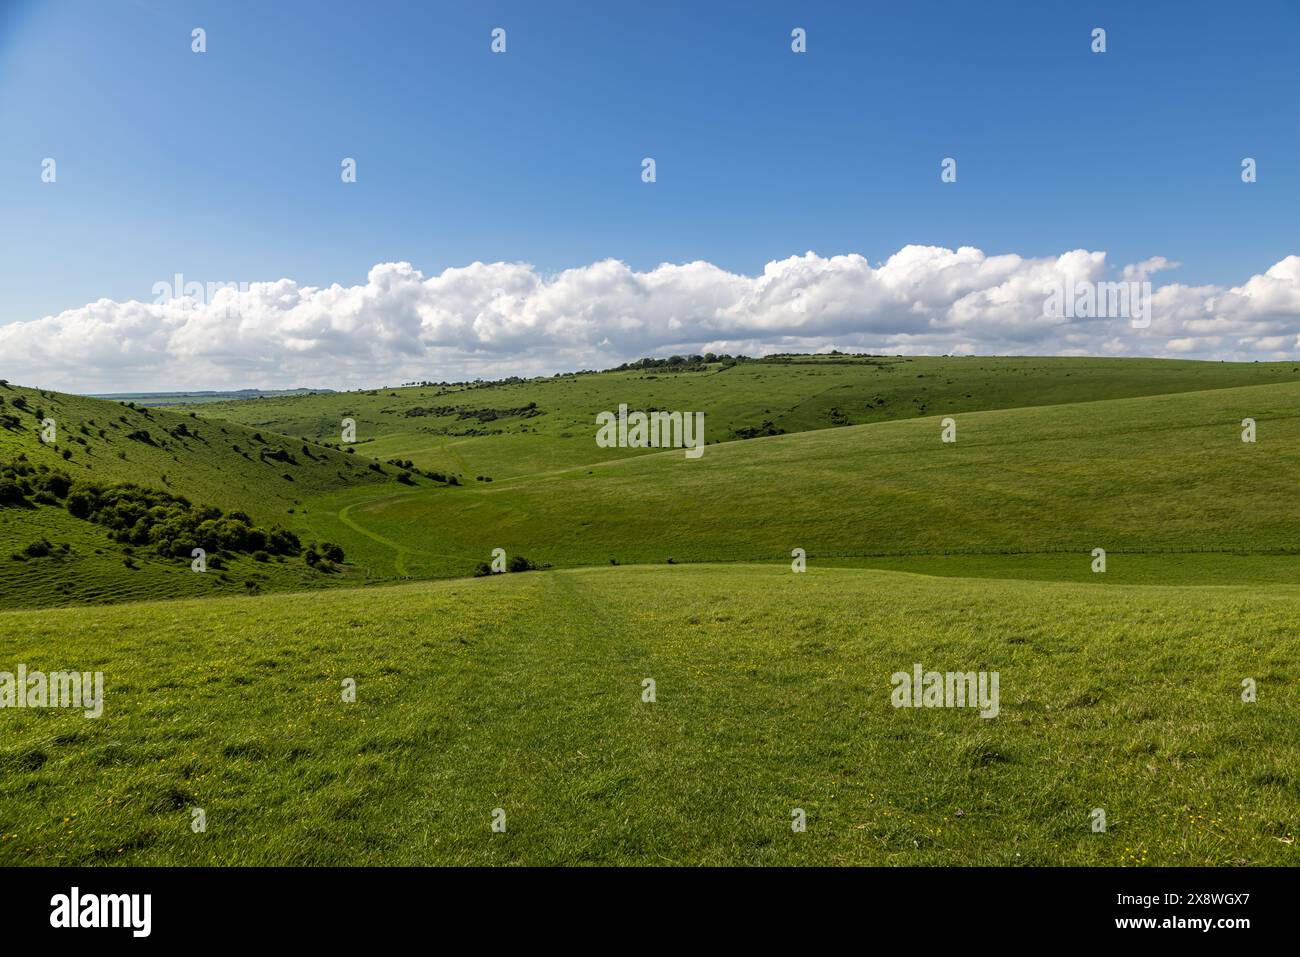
1161, 481
517, 428
262, 474
1151, 475
524, 692
86, 567
221, 463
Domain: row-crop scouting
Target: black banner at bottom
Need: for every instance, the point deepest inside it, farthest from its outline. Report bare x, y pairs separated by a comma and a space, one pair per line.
303, 906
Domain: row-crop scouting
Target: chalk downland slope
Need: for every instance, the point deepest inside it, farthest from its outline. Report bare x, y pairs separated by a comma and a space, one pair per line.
526, 427
267, 476
1152, 475
221, 463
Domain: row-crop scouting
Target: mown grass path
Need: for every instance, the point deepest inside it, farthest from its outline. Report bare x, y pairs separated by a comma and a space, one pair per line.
399, 550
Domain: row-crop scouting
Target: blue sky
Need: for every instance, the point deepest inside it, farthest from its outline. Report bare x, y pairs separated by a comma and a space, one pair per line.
225, 165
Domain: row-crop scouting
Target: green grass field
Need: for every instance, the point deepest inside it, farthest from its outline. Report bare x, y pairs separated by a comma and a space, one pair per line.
524, 692
1152, 476
1120, 691
795, 395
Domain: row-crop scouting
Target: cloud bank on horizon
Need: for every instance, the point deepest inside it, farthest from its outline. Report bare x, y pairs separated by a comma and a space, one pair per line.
491, 320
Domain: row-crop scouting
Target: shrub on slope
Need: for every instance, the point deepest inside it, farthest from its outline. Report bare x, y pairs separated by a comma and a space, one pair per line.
135, 515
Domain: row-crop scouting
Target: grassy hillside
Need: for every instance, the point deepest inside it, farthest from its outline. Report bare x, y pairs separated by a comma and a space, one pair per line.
86, 567
221, 463
522, 428
1151, 475
265, 475
1023, 493
524, 692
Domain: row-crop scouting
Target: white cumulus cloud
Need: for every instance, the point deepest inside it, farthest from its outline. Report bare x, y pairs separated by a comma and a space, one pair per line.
495, 319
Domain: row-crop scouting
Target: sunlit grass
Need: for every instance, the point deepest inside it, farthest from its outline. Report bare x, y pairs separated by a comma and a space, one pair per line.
523, 692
